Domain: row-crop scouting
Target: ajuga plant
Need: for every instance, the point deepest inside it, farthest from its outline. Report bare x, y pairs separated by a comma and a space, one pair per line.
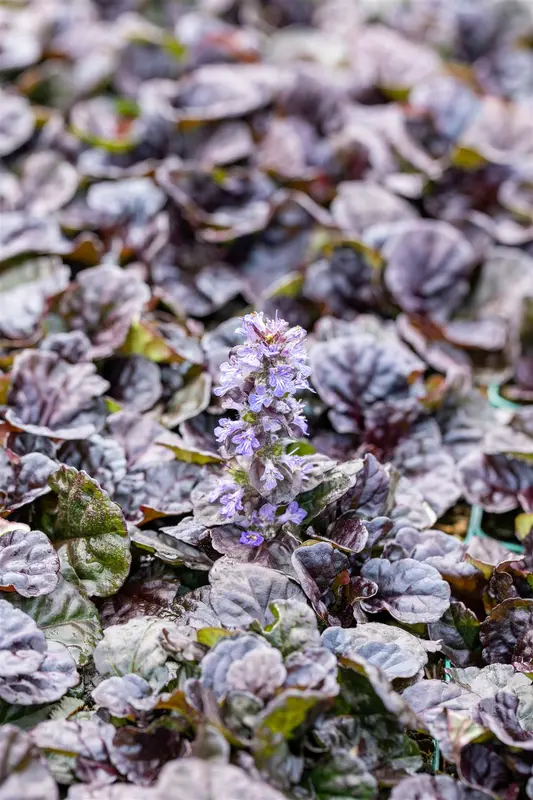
259, 385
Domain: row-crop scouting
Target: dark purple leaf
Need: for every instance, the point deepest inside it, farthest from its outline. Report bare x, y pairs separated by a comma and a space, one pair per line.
438, 787
32, 671
370, 494
428, 265
135, 382
139, 754
24, 478
18, 122
124, 696
349, 532
242, 593
141, 595
501, 715
243, 664
482, 766
432, 700
197, 294
100, 457
73, 346
316, 567
102, 302
439, 111
389, 60
66, 616
398, 653
496, 482
352, 373
50, 397
29, 565
458, 634
500, 132
346, 281
134, 647
158, 490
85, 742
360, 204
208, 780
48, 182
411, 592
25, 291
504, 629
22, 234
216, 92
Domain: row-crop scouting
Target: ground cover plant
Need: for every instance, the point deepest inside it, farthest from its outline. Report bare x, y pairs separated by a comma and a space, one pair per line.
266, 374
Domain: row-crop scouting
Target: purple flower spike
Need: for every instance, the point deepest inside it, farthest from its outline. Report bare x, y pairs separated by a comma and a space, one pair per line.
259, 382
251, 538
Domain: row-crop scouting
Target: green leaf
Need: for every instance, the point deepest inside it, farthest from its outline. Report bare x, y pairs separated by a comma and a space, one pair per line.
24, 717
171, 549
102, 563
333, 488
134, 647
294, 627
92, 530
287, 712
343, 776
288, 286
523, 525
65, 616
186, 452
83, 509
187, 402
210, 636
145, 339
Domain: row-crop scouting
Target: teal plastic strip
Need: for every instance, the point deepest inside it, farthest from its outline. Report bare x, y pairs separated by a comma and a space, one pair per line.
474, 523
497, 401
514, 547
475, 529
436, 762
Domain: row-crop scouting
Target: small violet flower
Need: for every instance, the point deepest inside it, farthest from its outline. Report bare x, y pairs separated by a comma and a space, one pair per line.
280, 379
260, 397
226, 428
267, 512
231, 503
271, 475
251, 538
293, 513
245, 442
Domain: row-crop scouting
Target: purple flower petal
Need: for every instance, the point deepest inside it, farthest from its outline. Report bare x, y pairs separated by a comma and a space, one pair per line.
251, 538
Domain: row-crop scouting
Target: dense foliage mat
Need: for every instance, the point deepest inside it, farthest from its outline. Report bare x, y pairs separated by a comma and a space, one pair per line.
266, 355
